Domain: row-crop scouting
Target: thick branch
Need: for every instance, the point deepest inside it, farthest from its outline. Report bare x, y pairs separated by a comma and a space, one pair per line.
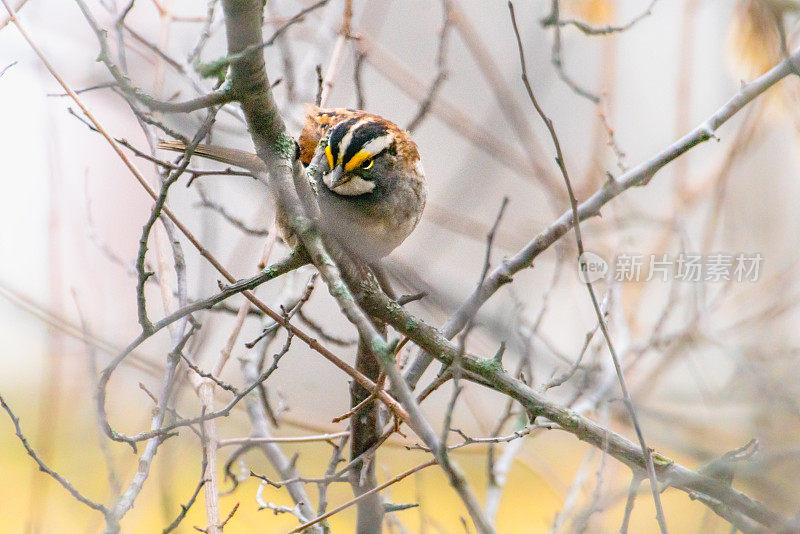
290, 186
489, 373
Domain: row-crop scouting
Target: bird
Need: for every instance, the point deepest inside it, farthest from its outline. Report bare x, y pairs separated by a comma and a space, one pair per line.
366, 173
371, 190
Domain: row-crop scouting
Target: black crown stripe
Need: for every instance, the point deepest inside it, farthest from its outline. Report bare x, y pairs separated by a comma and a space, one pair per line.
365, 133
337, 134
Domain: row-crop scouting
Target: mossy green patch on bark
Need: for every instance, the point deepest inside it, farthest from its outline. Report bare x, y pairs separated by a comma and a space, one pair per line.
381, 349
488, 366
662, 461
285, 146
393, 308
269, 271
339, 289
303, 226
216, 69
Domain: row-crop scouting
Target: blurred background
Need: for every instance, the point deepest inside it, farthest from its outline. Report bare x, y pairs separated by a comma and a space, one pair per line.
711, 364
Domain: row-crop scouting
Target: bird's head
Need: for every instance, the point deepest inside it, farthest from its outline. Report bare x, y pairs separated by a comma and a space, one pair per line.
360, 154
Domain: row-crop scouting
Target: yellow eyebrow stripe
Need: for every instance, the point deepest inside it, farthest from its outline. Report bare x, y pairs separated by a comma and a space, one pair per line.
359, 158
329, 155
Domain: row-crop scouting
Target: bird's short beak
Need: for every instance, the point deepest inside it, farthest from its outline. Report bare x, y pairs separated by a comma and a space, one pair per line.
336, 178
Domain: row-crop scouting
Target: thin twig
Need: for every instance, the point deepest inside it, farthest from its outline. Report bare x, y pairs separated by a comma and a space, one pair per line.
630, 502
186, 507
441, 69
322, 332
45, 469
281, 439
558, 61
91, 352
364, 495
601, 30
155, 214
213, 98
651, 472
638, 176
326, 84
4, 69
10, 17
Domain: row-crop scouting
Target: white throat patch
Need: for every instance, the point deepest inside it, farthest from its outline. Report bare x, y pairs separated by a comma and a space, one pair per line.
353, 187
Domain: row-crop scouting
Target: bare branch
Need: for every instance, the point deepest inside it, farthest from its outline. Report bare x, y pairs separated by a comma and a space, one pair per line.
587, 29
651, 472
4, 69
441, 69
613, 187
214, 98
186, 507
383, 486
490, 375
45, 469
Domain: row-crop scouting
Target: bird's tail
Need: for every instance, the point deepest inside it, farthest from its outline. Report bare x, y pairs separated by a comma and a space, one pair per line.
228, 156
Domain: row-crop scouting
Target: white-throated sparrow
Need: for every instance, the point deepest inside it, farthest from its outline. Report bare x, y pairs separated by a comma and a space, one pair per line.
369, 180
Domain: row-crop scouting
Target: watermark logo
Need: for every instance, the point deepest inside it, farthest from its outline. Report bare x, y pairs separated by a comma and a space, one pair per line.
591, 267
684, 267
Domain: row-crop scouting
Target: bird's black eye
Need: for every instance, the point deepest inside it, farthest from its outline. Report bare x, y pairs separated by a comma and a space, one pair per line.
367, 164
